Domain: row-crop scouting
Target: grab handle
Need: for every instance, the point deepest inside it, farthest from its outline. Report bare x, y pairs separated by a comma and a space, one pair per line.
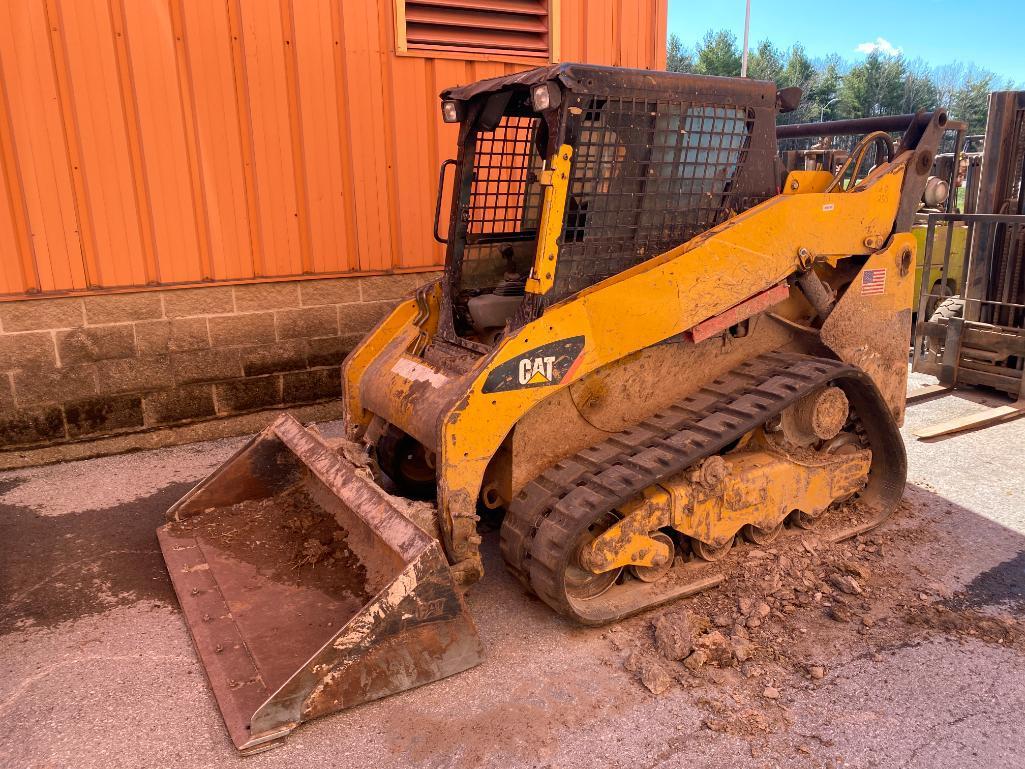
437, 206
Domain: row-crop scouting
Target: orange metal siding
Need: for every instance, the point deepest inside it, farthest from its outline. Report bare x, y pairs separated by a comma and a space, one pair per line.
157, 142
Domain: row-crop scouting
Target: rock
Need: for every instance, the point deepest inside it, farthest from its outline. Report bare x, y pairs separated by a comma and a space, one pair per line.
745, 605
715, 724
770, 693
634, 661
673, 637
941, 590
742, 648
839, 612
754, 622
762, 610
845, 584
855, 568
817, 672
867, 621
718, 650
751, 670
696, 660
756, 553
722, 620
655, 679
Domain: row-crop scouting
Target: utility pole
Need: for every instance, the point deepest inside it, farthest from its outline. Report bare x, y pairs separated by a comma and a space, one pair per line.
747, 30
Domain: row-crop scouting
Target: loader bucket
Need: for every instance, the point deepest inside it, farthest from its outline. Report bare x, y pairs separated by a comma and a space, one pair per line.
306, 589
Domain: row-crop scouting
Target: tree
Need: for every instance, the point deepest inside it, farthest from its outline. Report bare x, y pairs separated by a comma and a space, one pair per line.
875, 87
799, 70
718, 54
678, 58
832, 88
970, 102
822, 96
765, 63
920, 92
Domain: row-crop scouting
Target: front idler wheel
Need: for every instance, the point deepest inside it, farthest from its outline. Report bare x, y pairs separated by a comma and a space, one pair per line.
581, 583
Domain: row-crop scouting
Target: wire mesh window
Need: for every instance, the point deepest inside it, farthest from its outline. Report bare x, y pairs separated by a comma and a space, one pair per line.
647, 175
504, 204
505, 196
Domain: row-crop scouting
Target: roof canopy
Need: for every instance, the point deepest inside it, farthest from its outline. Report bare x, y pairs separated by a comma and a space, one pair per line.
593, 79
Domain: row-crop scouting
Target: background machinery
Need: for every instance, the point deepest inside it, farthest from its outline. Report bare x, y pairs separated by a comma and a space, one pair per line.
649, 343
976, 337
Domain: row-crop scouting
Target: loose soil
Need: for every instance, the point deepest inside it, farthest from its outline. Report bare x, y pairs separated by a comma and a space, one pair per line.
288, 537
792, 613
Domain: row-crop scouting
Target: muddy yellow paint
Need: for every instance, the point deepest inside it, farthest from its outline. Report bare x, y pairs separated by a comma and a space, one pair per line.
556, 183
659, 299
761, 488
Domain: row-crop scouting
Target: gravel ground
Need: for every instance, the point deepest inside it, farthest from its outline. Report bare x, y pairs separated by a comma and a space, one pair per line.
98, 669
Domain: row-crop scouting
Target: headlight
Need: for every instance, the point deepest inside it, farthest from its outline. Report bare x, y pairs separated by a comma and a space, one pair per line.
540, 97
450, 111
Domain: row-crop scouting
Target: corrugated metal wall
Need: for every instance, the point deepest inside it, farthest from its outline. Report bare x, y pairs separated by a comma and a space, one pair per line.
154, 142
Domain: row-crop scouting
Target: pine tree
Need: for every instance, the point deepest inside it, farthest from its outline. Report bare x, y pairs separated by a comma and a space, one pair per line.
766, 63
678, 58
718, 54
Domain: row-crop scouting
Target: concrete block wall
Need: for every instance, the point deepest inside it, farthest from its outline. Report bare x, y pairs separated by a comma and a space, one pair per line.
79, 368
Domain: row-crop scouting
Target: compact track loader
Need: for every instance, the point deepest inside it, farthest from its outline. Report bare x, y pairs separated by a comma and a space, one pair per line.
649, 343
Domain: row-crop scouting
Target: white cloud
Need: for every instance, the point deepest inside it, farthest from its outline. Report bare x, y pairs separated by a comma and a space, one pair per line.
881, 45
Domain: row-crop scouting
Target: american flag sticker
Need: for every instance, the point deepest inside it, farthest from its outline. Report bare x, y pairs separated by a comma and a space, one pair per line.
873, 281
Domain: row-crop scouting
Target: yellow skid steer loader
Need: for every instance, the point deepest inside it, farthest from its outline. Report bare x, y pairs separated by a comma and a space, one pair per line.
650, 342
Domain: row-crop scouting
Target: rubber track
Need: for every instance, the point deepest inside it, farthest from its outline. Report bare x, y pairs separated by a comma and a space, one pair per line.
551, 510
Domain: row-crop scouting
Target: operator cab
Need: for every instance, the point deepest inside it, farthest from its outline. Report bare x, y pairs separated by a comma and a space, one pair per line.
569, 174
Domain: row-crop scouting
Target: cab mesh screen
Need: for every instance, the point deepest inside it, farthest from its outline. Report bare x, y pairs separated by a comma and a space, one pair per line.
647, 175
504, 204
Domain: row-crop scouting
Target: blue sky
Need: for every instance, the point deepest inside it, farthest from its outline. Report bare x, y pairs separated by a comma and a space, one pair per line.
989, 33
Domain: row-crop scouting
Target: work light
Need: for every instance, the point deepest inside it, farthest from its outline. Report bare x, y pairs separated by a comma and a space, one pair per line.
450, 111
540, 97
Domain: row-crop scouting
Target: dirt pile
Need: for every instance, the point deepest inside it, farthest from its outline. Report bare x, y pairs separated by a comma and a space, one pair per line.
788, 614
288, 537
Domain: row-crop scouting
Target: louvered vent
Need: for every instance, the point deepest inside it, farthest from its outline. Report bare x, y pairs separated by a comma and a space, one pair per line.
517, 27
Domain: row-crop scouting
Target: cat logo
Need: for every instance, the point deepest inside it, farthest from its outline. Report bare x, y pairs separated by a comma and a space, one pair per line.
536, 370
542, 366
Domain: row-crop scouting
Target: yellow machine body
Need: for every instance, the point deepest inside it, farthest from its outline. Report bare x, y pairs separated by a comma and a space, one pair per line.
653, 302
